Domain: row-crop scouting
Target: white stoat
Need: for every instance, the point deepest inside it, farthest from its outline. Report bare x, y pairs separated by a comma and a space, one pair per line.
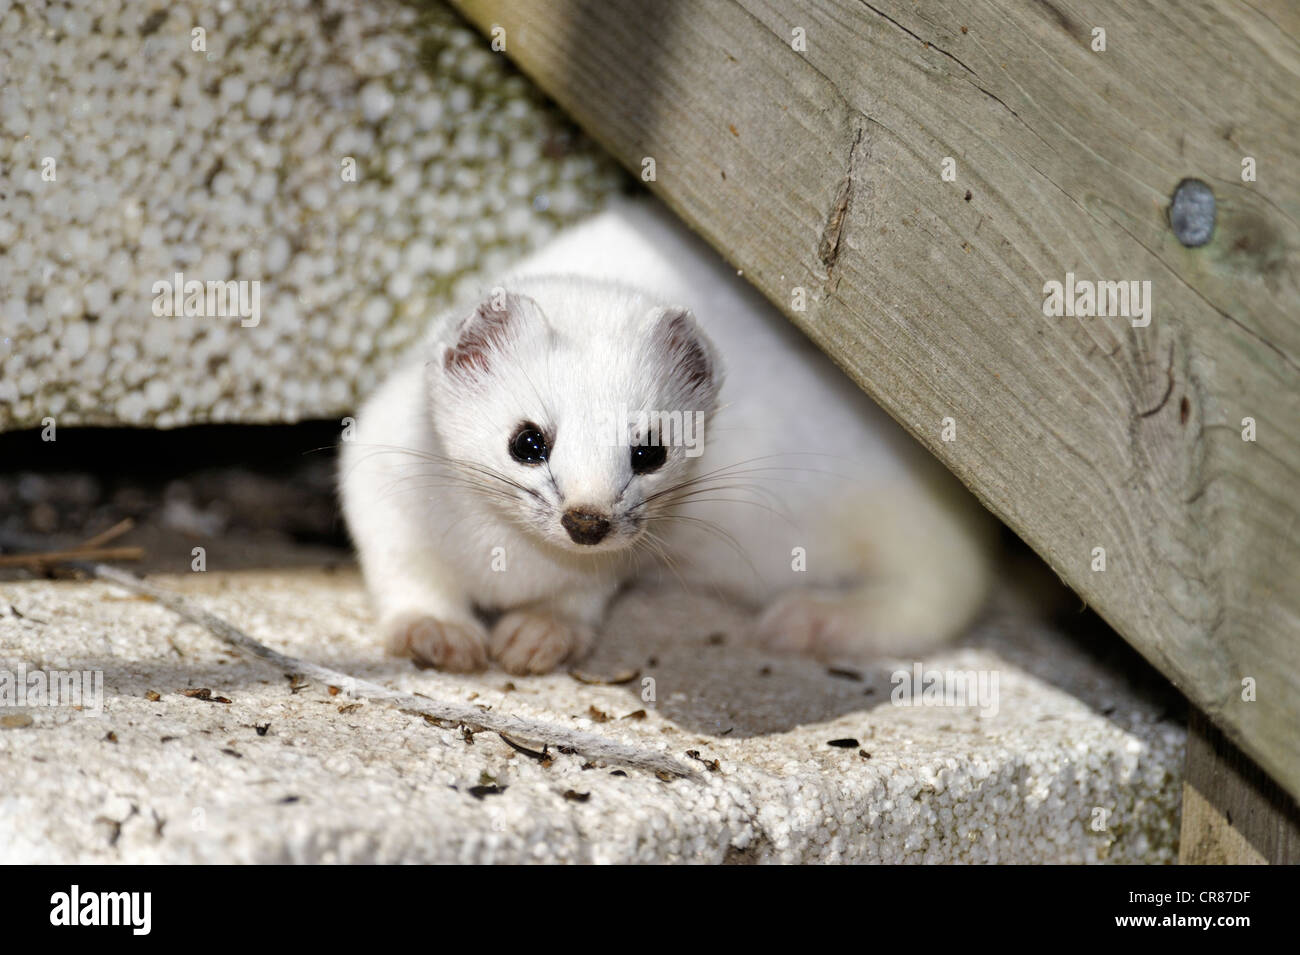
501, 486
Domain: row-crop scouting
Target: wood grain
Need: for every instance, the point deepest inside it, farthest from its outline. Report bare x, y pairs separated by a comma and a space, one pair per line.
820, 170
1233, 814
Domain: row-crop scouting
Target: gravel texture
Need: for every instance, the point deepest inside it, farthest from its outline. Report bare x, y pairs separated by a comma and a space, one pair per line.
282, 773
127, 156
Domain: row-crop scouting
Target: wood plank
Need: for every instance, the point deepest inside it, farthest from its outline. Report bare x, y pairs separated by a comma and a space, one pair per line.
820, 170
1233, 814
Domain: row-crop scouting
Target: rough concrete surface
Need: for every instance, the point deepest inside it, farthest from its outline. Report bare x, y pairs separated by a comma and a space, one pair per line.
356, 166
295, 774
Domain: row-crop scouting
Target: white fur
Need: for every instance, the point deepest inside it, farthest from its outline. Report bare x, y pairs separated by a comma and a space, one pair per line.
895, 551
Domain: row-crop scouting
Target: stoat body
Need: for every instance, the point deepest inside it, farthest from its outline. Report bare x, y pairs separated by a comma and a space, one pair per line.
500, 489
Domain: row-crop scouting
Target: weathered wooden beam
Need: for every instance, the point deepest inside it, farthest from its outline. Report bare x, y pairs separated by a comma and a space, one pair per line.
1233, 814
807, 143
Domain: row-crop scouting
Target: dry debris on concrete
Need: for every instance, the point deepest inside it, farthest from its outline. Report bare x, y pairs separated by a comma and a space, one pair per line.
202, 755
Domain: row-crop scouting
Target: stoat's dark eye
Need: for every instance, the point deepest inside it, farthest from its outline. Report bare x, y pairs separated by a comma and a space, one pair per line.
648, 457
529, 446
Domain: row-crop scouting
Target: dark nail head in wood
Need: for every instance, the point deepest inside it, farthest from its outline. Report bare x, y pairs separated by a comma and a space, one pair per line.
1191, 214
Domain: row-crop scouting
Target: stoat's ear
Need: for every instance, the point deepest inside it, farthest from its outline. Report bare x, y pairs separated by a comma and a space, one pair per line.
494, 323
690, 356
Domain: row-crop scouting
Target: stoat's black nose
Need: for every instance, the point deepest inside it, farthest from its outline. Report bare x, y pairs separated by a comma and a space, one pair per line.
584, 526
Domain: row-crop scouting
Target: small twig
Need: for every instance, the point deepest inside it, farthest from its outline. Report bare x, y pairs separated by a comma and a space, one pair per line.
104, 537
80, 552
519, 748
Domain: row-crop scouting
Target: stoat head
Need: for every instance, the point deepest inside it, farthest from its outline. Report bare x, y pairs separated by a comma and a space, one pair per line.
575, 408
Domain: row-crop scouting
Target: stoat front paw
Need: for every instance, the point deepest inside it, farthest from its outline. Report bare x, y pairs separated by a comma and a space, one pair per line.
526, 641
457, 647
